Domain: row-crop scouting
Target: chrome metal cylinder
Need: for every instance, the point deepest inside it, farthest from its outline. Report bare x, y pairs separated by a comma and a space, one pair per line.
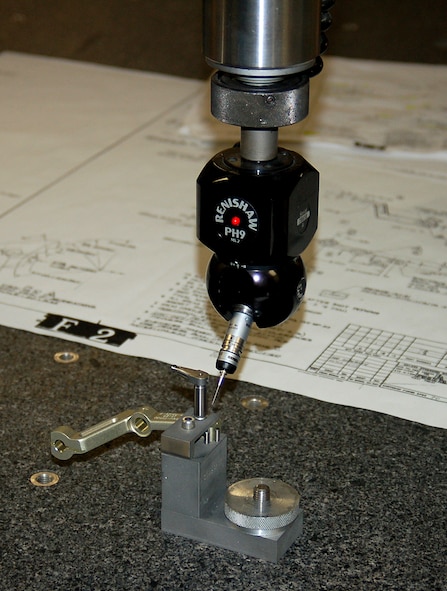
259, 145
261, 38
200, 402
234, 340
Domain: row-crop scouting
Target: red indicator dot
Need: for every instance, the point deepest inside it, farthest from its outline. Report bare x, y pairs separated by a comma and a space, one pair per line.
235, 221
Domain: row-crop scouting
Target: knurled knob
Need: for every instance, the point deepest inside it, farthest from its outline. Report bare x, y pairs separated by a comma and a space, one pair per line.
261, 504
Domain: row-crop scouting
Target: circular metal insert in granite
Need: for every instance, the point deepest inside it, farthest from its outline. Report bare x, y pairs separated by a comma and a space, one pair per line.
254, 402
66, 357
44, 478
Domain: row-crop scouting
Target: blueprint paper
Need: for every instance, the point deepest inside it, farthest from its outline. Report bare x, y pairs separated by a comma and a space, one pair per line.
55, 115
100, 246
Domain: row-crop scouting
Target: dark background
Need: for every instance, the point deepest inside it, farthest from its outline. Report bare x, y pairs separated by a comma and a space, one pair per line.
165, 35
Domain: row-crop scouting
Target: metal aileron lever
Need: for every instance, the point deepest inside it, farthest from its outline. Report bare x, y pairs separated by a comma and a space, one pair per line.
66, 442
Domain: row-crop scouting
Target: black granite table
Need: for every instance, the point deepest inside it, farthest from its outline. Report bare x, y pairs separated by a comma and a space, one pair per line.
373, 486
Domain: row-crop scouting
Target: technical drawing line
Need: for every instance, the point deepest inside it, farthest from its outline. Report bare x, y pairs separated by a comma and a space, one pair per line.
386, 359
70, 172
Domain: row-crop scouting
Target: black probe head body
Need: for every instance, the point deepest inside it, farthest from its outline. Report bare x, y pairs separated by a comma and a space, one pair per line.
257, 217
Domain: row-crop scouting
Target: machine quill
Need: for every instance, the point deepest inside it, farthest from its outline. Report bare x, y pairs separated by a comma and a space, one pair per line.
257, 203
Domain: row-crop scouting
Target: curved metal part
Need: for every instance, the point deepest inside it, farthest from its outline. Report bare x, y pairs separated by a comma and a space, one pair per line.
65, 441
199, 379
